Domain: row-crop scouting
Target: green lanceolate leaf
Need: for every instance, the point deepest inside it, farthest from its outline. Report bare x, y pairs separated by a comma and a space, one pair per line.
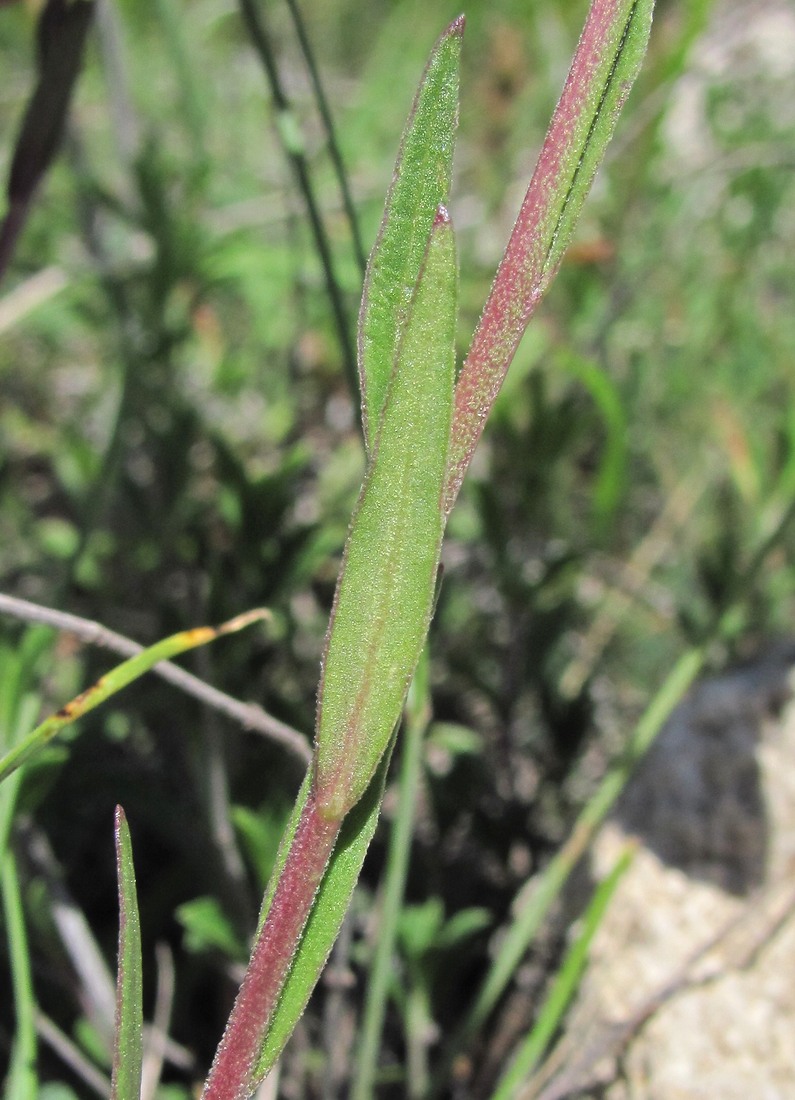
128, 1039
118, 678
328, 911
420, 183
385, 593
607, 61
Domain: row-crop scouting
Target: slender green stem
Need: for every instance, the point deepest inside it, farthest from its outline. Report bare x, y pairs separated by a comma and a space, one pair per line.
416, 724
128, 1040
564, 985
291, 144
8, 802
535, 901
94, 501
21, 1082
419, 1020
331, 135
189, 84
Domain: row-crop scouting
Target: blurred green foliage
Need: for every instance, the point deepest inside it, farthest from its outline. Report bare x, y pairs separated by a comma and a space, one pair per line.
178, 444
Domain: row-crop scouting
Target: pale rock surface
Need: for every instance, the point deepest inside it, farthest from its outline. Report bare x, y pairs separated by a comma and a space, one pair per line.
691, 990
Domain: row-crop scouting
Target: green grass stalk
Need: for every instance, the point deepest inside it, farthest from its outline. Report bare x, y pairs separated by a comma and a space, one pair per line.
331, 135
564, 985
293, 150
22, 1080
128, 1030
536, 899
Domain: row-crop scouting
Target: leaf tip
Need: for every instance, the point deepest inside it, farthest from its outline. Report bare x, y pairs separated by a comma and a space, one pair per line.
458, 25
442, 216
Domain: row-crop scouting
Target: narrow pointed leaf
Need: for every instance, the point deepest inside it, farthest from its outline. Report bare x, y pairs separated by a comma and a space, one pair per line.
605, 65
128, 1039
385, 593
420, 183
118, 678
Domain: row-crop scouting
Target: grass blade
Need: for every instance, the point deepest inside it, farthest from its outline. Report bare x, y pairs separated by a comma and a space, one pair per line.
564, 985
117, 679
536, 899
128, 1039
420, 183
331, 133
22, 1080
290, 135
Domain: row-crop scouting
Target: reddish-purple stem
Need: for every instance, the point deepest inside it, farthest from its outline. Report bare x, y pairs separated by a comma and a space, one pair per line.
310, 851
524, 274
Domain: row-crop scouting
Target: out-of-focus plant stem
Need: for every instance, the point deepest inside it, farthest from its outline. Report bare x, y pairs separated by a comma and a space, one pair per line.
292, 146
21, 1082
537, 897
564, 985
331, 135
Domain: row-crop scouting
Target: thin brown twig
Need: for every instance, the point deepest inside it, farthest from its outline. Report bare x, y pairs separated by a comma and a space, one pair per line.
249, 715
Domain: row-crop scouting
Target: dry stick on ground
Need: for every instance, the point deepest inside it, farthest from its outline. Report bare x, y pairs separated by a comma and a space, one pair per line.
249, 715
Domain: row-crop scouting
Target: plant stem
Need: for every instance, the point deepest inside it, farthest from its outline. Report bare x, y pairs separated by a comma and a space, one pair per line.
331, 135
564, 985
315, 836
21, 1081
286, 126
605, 64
